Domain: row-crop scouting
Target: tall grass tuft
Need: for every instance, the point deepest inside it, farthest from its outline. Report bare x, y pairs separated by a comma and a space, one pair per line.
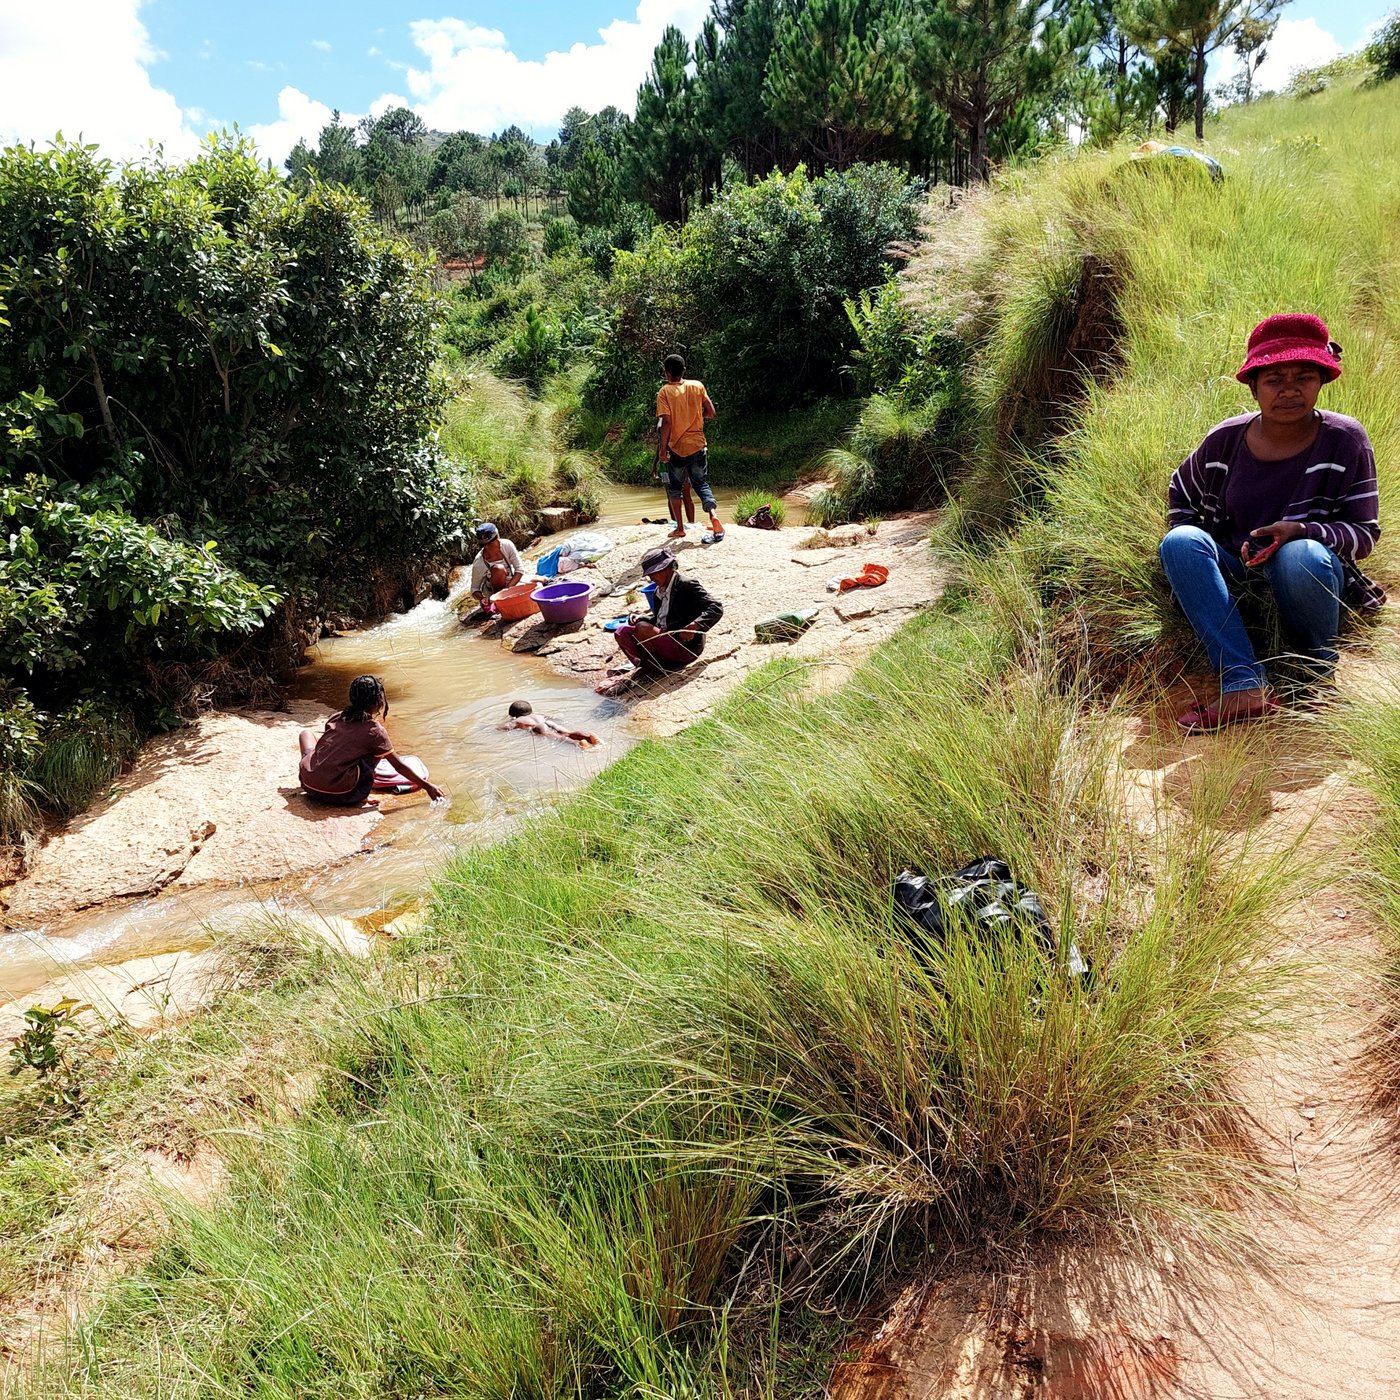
750, 502
510, 446
82, 753
895, 455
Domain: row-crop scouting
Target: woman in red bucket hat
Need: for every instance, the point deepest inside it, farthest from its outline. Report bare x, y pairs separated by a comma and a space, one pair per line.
1288, 490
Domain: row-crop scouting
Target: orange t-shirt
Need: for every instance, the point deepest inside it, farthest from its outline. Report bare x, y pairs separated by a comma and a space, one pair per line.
684, 405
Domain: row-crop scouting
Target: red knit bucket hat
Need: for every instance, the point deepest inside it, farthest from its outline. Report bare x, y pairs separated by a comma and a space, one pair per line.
1278, 340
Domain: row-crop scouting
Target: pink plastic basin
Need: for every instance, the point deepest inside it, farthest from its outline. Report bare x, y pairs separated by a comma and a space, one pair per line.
514, 603
563, 602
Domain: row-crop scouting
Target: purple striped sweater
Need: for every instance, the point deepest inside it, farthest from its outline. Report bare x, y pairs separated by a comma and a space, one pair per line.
1223, 488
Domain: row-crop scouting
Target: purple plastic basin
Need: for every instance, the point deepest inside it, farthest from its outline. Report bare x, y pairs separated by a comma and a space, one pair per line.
563, 602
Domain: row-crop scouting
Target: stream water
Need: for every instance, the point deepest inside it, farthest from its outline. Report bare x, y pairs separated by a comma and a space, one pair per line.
448, 691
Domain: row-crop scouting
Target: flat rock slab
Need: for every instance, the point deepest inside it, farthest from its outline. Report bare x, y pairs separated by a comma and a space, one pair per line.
143, 992
214, 803
754, 573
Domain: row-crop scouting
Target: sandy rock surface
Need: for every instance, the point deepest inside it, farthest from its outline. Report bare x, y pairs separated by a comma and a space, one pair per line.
142, 992
754, 573
214, 803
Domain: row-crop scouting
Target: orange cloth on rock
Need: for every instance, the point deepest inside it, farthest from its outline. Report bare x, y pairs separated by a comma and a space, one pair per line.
871, 576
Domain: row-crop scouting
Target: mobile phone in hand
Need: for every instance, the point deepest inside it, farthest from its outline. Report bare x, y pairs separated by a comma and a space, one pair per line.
1257, 549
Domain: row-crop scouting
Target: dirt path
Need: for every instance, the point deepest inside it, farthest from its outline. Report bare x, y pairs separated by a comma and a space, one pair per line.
1324, 1322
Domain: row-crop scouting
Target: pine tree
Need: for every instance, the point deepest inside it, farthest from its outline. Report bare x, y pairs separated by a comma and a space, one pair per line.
734, 96
1193, 30
662, 158
839, 79
982, 59
338, 157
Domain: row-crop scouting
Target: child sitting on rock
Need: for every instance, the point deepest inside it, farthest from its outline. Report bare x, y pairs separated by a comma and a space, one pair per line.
337, 770
523, 716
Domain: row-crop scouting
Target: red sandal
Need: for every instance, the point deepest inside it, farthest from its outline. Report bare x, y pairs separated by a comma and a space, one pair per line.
1207, 719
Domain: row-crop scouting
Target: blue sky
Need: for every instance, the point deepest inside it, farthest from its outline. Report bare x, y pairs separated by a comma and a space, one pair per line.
126, 72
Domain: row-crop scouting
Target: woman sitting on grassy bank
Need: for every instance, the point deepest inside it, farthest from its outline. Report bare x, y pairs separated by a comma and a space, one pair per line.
1290, 491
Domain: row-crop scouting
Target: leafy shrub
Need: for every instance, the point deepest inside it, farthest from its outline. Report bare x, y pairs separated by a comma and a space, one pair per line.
505, 237
1383, 52
214, 391
752, 287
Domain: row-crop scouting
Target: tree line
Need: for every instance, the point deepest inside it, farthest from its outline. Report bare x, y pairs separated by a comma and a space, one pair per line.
944, 90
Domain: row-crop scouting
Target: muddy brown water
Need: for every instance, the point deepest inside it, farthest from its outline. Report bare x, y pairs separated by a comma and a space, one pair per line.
448, 691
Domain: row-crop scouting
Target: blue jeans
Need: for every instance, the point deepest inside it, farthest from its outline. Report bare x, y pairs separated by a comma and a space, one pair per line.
1306, 579
696, 466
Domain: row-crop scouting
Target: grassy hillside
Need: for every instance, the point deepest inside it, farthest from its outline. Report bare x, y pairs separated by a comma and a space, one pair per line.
1153, 277
663, 1086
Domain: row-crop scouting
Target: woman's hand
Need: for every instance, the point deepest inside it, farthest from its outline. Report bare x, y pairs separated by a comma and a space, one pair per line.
1280, 530
1267, 540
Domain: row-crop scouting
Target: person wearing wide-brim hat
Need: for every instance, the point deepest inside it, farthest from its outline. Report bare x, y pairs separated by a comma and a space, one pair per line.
497, 564
1289, 491
683, 611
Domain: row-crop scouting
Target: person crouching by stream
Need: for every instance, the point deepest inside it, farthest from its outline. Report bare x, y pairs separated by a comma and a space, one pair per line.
337, 770
497, 564
675, 635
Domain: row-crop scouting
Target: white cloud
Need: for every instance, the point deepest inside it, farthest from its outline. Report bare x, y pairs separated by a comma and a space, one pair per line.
80, 67
1297, 43
474, 80
299, 118
321, 44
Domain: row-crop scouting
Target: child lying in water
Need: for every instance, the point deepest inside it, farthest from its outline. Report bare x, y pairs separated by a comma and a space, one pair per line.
523, 716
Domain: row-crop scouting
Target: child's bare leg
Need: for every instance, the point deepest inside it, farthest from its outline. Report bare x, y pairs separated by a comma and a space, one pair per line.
307, 740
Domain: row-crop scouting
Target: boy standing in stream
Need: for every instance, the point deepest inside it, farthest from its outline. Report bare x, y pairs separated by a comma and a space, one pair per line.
683, 407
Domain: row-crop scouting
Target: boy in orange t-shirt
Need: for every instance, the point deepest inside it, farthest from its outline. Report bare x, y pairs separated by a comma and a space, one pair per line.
684, 408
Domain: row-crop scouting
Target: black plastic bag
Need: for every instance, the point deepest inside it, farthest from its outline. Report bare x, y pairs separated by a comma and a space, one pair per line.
984, 894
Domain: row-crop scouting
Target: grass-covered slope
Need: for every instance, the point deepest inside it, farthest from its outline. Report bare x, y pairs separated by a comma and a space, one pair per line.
665, 1063
1151, 276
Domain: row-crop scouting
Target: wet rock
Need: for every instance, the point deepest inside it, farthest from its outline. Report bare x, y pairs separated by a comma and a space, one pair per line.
555, 518
142, 992
214, 803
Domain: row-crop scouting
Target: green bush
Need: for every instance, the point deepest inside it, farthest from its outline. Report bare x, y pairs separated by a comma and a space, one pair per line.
752, 288
1383, 52
213, 391
560, 236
